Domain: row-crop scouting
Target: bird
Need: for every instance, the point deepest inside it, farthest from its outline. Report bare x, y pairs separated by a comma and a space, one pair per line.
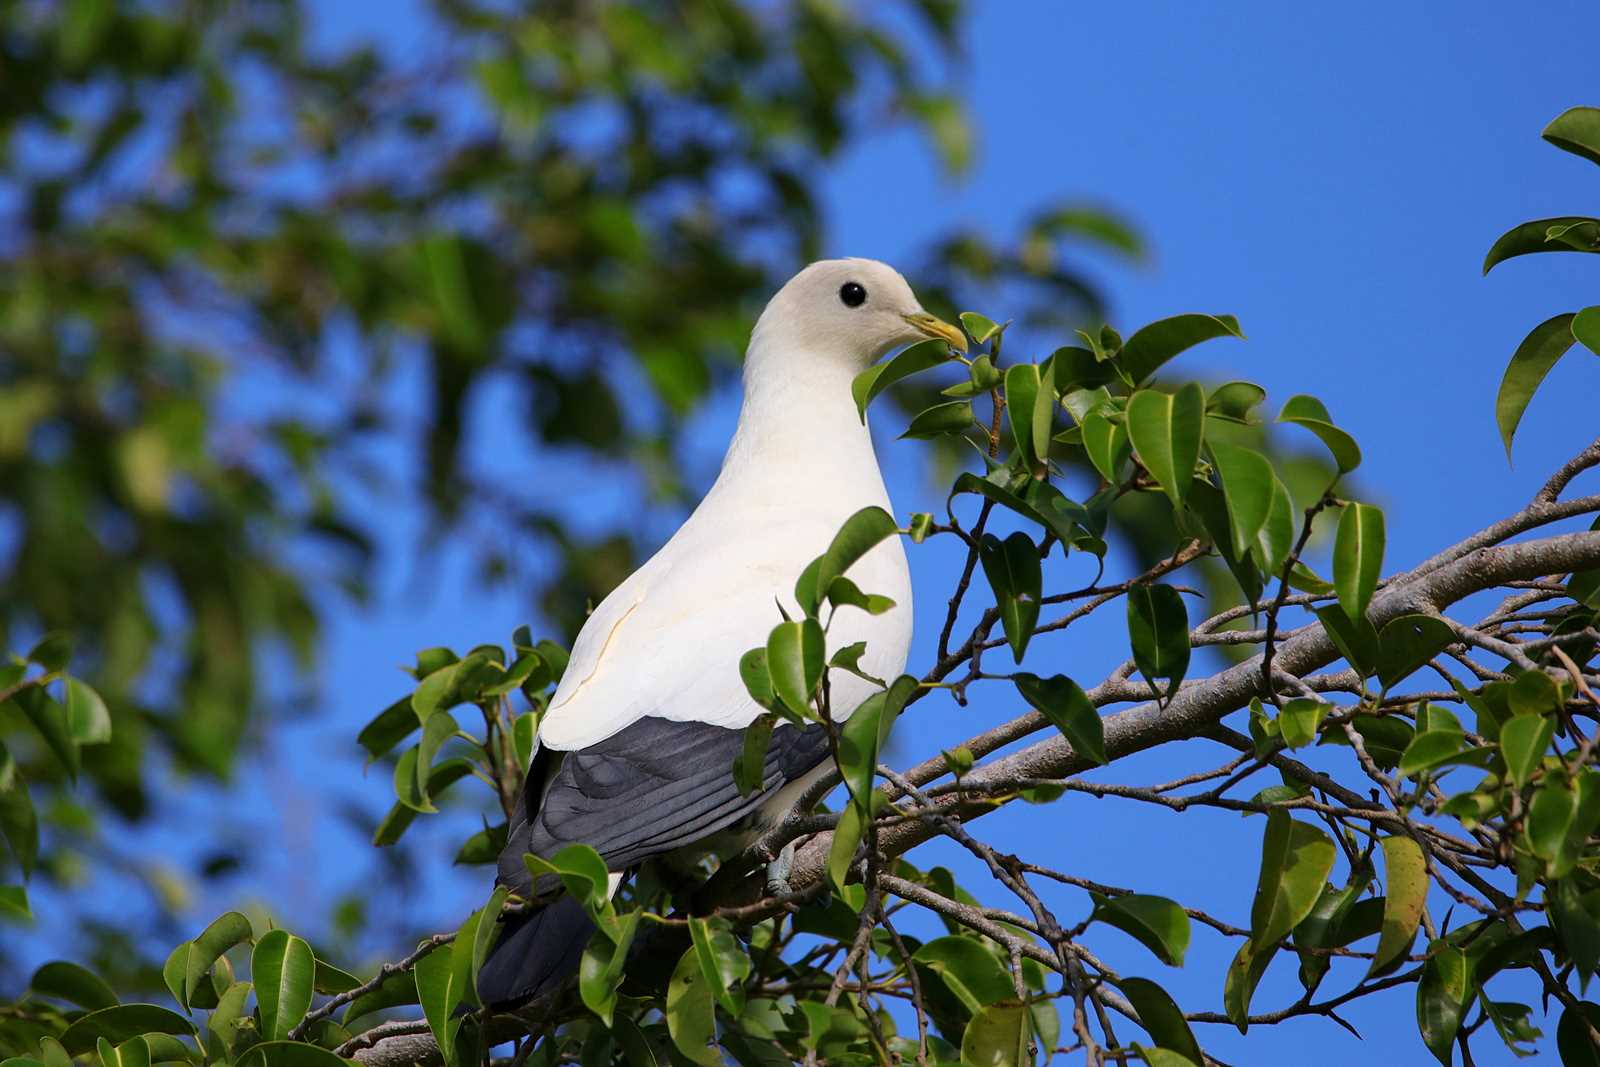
634, 753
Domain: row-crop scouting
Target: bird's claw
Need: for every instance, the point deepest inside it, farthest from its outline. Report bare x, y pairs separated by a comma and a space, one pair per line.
778, 872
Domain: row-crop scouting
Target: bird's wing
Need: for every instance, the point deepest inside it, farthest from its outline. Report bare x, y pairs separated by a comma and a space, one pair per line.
648, 789
667, 642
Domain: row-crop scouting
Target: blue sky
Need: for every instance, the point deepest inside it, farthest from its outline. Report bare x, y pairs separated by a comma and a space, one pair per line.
1333, 177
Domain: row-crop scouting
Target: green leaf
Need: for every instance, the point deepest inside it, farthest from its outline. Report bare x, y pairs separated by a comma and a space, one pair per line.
439, 728
1106, 444
1357, 557
1405, 881
1573, 1042
87, 718
600, 970
393, 991
1550, 816
1158, 631
1053, 512
226, 931
1157, 923
875, 379
391, 726
439, 991
1060, 699
1235, 400
795, 662
865, 733
1276, 539
723, 963
1576, 130
1247, 487
580, 869
940, 419
1161, 1017
1299, 719
861, 533
1577, 233
1322, 927
1523, 741
1012, 567
1244, 974
1166, 429
1153, 345
119, 1024
14, 903
74, 984
1545, 344
1586, 328
226, 1019
846, 840
1443, 994
979, 327
18, 823
1022, 393
749, 768
1408, 643
1296, 859
282, 968
997, 1036
444, 774
1429, 749
1356, 639
50, 720
1309, 413
691, 1018
968, 969
757, 679
53, 651
330, 979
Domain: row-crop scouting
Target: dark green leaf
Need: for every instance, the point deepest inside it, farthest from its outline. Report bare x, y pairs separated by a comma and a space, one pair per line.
1534, 357
600, 970
1158, 631
1408, 643
1430, 749
997, 1036
1106, 443
18, 824
1244, 974
1059, 699
1321, 928
119, 1024
581, 870
1153, 345
53, 651
750, 766
1161, 1017
74, 984
1166, 430
1578, 234
757, 679
1358, 557
1012, 567
1022, 393
878, 377
940, 419
1576, 130
289, 1054
723, 963
1159, 924
1356, 639
1573, 1042
400, 816
1235, 400
865, 733
391, 726
14, 903
1443, 994
50, 720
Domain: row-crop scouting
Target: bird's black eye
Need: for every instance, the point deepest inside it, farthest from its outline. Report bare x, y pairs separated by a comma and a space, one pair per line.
852, 294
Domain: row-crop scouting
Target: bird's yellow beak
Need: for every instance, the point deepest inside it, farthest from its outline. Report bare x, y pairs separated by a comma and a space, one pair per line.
935, 327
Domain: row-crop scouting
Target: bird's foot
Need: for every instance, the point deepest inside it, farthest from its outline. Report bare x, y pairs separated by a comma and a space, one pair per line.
778, 872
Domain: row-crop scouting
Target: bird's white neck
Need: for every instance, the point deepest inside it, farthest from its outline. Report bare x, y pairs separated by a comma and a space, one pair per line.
798, 425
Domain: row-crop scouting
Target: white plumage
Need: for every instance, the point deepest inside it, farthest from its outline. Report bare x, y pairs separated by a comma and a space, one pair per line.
667, 641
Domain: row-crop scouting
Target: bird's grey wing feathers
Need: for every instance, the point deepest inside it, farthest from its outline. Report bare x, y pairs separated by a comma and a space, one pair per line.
648, 789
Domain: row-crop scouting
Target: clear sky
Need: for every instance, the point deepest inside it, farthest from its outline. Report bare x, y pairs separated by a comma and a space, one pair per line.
1332, 175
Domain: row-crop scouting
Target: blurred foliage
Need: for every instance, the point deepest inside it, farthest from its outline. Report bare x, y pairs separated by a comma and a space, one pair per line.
229, 243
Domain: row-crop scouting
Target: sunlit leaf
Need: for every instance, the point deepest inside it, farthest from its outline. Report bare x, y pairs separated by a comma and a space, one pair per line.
1357, 557
1538, 352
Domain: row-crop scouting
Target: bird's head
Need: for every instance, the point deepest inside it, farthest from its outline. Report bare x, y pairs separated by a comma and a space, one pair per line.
854, 310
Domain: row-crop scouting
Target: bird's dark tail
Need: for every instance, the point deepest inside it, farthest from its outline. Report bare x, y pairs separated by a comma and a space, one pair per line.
536, 952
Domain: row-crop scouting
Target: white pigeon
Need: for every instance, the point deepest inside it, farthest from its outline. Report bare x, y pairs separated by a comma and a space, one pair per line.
636, 751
